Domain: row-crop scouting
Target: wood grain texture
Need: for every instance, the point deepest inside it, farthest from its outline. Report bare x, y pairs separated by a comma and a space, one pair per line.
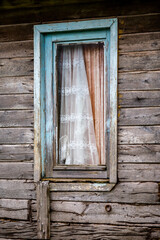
146, 80
85, 212
139, 135
10, 85
77, 231
18, 229
139, 172
16, 170
18, 101
19, 118
43, 210
139, 24
139, 99
16, 32
14, 209
139, 42
52, 11
16, 152
125, 192
16, 135
139, 116
145, 153
16, 67
138, 61
17, 189
16, 49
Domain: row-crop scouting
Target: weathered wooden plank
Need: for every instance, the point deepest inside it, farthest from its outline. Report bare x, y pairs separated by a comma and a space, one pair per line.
43, 210
18, 118
139, 42
146, 153
139, 116
16, 152
75, 10
139, 24
19, 189
16, 85
139, 135
16, 49
19, 101
138, 61
139, 172
16, 170
139, 99
82, 186
60, 231
85, 212
14, 209
16, 135
18, 229
16, 67
139, 81
21, 32
132, 192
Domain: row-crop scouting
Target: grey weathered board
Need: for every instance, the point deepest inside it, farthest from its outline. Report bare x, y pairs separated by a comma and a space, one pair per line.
125, 192
78, 231
16, 170
16, 152
14, 85
17, 189
14, 209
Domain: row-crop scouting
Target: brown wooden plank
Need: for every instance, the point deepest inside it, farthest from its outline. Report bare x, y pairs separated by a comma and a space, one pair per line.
139, 172
18, 101
139, 80
139, 24
75, 10
78, 231
14, 209
127, 192
16, 170
18, 229
16, 32
139, 99
16, 67
16, 49
16, 135
16, 152
16, 85
139, 42
43, 210
18, 118
139, 153
19, 189
85, 212
139, 135
139, 61
139, 116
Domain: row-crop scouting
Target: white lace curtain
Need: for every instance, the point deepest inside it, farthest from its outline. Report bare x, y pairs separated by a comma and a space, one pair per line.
80, 87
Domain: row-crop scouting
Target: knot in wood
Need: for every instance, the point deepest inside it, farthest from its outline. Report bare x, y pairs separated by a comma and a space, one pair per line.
108, 208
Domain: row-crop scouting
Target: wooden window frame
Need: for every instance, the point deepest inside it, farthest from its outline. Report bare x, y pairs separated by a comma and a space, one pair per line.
103, 180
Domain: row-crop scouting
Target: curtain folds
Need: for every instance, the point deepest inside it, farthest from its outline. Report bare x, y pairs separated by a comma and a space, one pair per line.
80, 98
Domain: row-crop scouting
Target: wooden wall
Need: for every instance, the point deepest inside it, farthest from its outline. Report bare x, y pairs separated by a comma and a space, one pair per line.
135, 213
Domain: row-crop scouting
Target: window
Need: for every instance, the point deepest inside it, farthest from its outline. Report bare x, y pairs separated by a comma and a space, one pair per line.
76, 101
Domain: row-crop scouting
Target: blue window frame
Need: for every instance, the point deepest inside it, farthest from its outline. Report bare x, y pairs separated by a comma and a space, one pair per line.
46, 39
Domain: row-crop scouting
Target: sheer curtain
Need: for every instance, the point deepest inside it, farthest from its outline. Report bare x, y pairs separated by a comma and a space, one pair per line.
80, 87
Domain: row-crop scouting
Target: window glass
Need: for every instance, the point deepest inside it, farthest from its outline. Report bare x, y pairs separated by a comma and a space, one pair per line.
80, 77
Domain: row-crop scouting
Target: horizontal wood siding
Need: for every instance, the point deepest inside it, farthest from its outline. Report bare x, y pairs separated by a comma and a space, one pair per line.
134, 202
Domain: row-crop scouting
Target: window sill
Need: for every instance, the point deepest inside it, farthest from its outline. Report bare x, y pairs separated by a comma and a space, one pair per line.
93, 185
